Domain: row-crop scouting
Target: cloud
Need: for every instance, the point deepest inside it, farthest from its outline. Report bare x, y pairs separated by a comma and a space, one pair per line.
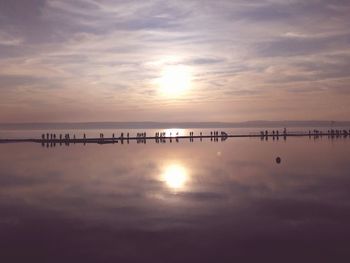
110, 51
8, 40
298, 46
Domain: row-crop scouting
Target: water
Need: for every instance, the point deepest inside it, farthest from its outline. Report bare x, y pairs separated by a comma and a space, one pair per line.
95, 133
180, 202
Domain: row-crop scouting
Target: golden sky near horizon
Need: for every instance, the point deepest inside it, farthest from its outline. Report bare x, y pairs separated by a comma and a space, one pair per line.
193, 60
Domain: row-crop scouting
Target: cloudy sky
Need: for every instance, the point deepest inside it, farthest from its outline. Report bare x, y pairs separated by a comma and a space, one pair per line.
107, 60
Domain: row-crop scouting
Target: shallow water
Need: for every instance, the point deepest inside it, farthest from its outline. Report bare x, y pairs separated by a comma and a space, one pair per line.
177, 202
95, 133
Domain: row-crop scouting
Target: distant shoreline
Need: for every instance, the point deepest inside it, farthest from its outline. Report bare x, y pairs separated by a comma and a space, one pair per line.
167, 125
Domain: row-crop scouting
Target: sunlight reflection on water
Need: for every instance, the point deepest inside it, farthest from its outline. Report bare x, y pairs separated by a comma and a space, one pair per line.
175, 176
111, 197
175, 132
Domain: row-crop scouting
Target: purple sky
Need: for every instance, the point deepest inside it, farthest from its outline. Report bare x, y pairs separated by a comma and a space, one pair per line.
99, 60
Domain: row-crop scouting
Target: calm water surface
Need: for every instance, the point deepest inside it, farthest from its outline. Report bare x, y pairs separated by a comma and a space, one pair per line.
177, 202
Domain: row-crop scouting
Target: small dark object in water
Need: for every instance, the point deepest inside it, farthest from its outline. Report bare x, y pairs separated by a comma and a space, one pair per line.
278, 160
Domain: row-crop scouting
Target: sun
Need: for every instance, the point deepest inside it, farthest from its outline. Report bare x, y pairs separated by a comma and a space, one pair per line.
175, 80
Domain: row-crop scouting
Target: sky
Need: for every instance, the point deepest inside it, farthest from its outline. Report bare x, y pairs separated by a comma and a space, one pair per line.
179, 60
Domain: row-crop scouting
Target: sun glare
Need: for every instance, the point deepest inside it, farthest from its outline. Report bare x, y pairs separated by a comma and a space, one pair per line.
173, 132
175, 80
175, 176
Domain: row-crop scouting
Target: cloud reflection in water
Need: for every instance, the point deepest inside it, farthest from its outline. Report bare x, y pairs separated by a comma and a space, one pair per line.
112, 200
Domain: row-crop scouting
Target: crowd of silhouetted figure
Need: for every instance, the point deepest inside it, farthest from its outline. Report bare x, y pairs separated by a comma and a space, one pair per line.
275, 134
50, 139
331, 134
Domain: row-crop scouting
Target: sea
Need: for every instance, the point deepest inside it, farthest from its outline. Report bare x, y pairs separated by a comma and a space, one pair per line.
233, 200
